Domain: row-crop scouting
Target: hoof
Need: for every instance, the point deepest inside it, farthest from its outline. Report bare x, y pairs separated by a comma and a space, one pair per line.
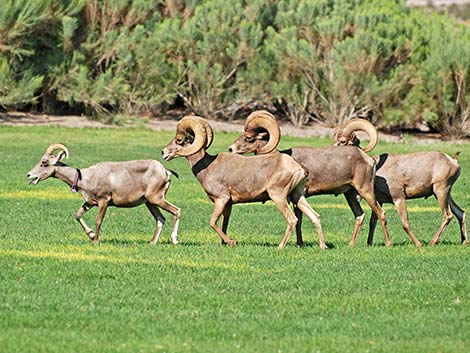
323, 247
95, 240
388, 244
231, 242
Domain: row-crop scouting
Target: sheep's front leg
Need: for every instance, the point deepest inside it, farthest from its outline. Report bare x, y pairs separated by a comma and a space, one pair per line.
78, 216
298, 227
359, 214
219, 207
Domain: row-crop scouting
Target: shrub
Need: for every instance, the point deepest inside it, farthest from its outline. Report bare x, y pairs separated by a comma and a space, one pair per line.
218, 53
443, 95
327, 60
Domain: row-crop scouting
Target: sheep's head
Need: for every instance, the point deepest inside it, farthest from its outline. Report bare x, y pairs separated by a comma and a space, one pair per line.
345, 135
46, 167
193, 133
261, 134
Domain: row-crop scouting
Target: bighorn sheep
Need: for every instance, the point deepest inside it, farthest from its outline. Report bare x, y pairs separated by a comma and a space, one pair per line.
331, 170
230, 179
410, 176
120, 184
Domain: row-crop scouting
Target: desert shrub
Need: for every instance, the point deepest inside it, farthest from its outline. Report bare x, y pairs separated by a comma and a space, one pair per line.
218, 53
337, 60
326, 60
101, 72
442, 97
29, 32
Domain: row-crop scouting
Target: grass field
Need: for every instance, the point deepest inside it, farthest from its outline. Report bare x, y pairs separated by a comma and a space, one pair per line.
60, 293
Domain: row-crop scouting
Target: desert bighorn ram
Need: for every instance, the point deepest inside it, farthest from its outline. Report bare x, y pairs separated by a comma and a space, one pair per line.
120, 184
331, 170
229, 179
410, 176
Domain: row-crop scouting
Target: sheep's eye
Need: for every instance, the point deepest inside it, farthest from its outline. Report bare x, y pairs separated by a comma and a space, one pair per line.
44, 163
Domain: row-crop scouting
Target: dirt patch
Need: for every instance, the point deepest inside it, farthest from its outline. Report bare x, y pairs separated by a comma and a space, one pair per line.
169, 124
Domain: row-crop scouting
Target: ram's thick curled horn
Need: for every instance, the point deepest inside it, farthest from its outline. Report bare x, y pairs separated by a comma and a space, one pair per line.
262, 119
209, 131
195, 126
57, 146
358, 124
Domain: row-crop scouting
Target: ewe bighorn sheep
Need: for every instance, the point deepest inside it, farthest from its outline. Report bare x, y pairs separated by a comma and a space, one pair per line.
410, 176
229, 179
120, 184
331, 170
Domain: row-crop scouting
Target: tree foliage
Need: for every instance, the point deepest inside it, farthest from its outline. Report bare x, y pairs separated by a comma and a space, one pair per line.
327, 60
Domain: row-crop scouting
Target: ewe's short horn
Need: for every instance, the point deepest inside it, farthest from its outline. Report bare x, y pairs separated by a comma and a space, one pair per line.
262, 119
194, 125
362, 125
57, 146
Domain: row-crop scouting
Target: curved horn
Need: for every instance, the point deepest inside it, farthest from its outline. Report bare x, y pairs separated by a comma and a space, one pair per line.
197, 127
362, 125
262, 119
58, 146
209, 131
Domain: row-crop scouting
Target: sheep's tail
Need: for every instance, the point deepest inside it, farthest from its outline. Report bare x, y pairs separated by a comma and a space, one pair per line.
173, 172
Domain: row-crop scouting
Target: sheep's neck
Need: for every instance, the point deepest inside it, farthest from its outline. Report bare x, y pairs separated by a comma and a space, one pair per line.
66, 174
200, 161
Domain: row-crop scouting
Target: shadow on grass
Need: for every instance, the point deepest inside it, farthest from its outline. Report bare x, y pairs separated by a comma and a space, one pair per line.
116, 241
424, 242
267, 244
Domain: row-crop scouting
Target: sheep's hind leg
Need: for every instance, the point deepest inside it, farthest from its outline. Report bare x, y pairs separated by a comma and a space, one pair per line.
288, 214
298, 227
176, 212
158, 218
314, 217
460, 214
351, 198
225, 218
102, 207
442, 197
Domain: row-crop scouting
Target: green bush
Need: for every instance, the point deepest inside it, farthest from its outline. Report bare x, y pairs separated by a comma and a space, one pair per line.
30, 37
443, 95
327, 60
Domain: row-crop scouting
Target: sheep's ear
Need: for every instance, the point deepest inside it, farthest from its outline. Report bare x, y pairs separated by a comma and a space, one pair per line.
61, 155
262, 136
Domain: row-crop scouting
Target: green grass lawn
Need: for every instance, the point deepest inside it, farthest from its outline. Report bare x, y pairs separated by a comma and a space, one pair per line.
60, 293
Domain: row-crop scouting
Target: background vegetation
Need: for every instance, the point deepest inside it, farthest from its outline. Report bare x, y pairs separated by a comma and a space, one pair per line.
60, 293
327, 60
